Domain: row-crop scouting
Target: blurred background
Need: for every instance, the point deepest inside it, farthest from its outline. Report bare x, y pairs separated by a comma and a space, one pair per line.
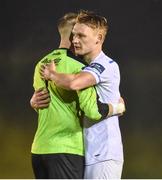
28, 32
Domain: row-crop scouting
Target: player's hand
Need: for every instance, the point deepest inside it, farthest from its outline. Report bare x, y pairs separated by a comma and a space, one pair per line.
40, 99
47, 70
121, 100
117, 108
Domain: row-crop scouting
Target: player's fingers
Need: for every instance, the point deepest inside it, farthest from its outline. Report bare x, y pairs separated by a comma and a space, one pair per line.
52, 66
43, 66
41, 71
33, 104
40, 103
121, 100
39, 90
41, 106
45, 100
42, 97
42, 92
43, 74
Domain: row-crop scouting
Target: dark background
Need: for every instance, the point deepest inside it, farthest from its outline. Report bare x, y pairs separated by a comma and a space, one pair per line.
28, 32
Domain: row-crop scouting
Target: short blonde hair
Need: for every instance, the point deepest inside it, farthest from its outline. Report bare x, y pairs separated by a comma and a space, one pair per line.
93, 20
67, 19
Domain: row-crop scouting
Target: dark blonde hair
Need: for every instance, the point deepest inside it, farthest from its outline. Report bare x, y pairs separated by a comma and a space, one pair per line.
93, 20
67, 19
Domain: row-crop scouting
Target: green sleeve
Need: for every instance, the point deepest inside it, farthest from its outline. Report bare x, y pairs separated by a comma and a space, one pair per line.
88, 103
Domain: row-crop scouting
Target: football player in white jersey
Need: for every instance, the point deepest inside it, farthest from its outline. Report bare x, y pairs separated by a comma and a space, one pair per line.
103, 143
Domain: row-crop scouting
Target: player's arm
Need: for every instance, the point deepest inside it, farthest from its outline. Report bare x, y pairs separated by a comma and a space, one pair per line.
40, 99
94, 109
113, 108
67, 81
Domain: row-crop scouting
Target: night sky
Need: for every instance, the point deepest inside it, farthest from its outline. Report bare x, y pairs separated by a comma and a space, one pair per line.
134, 41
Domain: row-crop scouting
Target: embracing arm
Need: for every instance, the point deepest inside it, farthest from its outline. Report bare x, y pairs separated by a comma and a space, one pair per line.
96, 110
40, 99
67, 81
73, 81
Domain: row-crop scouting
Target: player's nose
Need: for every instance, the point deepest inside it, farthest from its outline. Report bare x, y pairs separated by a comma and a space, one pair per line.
75, 40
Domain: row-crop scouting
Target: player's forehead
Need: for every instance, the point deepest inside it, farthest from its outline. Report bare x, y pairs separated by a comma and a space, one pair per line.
80, 28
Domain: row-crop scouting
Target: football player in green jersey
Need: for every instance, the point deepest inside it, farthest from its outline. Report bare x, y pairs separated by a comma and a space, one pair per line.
57, 149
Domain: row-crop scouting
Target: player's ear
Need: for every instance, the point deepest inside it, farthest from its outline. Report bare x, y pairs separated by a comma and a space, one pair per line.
99, 38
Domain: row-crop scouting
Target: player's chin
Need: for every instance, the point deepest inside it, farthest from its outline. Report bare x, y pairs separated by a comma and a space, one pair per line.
78, 51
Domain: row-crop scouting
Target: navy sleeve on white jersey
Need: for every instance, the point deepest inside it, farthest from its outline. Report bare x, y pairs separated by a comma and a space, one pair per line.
96, 69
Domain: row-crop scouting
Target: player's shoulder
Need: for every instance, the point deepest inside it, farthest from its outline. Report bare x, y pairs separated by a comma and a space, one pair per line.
105, 61
109, 60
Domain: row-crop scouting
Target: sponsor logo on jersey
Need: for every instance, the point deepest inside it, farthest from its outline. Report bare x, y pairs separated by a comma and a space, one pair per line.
46, 60
56, 53
97, 67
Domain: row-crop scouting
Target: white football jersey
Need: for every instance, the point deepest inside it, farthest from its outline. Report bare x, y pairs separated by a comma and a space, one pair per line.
103, 139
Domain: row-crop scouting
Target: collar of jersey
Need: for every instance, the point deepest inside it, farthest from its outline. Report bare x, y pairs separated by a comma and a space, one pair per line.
61, 51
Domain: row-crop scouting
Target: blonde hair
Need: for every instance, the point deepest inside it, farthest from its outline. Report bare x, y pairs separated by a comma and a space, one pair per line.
93, 20
67, 19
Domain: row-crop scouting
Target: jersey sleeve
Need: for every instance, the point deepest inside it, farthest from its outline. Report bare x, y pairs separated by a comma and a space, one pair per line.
96, 69
92, 108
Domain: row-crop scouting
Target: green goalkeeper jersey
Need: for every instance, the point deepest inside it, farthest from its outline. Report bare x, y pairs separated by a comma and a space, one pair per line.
59, 126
